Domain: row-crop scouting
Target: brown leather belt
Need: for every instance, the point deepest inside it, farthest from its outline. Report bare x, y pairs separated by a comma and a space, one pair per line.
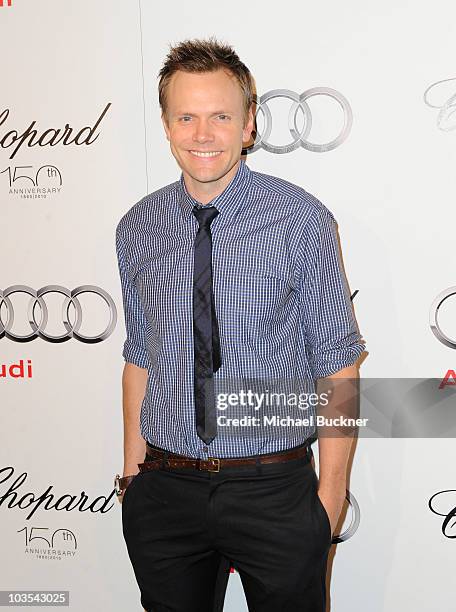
214, 464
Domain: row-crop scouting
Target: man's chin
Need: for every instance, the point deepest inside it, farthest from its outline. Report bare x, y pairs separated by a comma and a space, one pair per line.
204, 175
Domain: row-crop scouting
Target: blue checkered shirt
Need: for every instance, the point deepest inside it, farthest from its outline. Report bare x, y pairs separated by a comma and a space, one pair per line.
282, 302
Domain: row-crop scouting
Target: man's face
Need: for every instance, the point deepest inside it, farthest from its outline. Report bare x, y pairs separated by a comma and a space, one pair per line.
205, 127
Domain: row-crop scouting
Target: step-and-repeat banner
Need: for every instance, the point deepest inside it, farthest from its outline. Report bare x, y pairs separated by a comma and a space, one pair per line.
355, 105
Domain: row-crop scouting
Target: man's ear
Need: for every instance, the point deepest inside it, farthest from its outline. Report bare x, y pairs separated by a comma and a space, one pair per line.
165, 125
248, 128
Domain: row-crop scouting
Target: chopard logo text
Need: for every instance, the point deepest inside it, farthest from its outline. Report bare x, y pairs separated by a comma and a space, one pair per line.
47, 500
443, 503
32, 137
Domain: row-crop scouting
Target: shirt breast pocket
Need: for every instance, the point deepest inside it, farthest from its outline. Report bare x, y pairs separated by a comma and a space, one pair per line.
252, 303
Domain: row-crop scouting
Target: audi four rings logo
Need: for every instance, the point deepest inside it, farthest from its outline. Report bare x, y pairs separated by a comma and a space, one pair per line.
445, 117
36, 302
354, 522
299, 102
433, 317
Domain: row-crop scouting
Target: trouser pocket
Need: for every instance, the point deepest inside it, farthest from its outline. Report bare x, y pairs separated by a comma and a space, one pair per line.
324, 518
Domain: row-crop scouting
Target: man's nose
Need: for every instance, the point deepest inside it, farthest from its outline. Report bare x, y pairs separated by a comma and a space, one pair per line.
203, 131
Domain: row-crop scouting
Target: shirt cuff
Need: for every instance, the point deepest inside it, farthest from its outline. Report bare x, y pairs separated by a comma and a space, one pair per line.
135, 354
332, 361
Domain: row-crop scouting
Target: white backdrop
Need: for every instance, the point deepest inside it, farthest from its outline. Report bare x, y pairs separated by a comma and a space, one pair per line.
390, 185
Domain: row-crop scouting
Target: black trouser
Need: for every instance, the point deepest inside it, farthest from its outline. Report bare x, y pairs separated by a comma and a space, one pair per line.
182, 525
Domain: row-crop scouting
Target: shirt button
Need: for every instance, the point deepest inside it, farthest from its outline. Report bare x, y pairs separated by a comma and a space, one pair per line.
205, 449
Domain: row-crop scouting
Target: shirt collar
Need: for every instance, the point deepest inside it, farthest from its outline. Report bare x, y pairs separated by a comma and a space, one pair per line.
228, 202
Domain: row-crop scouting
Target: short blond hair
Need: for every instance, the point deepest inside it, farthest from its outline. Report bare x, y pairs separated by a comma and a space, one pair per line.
205, 55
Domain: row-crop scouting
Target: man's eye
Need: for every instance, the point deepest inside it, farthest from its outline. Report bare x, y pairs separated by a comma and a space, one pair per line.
224, 117
184, 118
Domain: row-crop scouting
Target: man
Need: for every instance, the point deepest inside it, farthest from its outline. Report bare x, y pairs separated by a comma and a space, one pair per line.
228, 275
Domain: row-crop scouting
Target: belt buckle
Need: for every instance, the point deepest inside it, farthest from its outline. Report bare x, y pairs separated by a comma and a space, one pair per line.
217, 464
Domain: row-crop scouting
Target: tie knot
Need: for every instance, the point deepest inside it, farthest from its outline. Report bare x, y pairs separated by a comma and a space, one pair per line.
205, 216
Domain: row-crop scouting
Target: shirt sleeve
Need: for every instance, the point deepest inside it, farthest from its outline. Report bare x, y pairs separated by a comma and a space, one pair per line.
332, 337
135, 348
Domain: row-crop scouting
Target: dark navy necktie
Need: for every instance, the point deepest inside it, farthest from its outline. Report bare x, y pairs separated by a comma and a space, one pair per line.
205, 327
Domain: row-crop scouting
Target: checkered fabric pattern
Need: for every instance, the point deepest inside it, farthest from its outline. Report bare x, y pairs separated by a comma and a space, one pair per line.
283, 307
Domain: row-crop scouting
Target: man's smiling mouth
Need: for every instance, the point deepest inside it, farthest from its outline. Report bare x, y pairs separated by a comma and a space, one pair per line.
205, 153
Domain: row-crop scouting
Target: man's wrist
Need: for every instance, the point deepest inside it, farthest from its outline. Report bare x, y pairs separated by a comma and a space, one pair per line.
330, 483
